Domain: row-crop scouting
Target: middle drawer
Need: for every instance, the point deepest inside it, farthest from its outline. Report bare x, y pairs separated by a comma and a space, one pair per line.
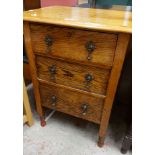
91, 79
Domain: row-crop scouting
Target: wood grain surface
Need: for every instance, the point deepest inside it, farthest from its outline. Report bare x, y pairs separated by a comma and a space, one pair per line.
71, 43
26, 71
85, 18
31, 57
122, 45
57, 36
70, 102
72, 89
73, 75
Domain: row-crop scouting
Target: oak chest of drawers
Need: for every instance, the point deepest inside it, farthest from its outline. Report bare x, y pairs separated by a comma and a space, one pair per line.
76, 56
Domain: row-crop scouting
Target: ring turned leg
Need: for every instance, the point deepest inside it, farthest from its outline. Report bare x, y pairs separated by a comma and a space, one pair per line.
42, 121
100, 141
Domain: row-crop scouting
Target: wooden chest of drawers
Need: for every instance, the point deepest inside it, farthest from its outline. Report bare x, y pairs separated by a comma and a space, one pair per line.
76, 62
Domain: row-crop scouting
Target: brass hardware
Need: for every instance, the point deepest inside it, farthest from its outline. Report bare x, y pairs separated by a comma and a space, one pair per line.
53, 71
88, 79
54, 100
84, 108
90, 46
48, 41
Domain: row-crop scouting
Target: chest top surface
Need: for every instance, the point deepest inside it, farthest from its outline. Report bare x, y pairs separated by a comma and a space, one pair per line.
87, 18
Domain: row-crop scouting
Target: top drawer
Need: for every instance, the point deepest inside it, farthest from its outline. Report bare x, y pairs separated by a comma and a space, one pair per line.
74, 44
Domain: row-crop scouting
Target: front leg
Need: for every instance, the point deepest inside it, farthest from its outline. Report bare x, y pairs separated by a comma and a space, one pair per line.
42, 121
103, 127
100, 141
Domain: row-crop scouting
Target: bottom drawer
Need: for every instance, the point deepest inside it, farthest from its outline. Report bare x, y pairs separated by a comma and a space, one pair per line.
71, 102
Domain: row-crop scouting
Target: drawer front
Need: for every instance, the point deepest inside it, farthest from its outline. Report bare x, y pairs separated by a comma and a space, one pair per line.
72, 102
74, 44
82, 77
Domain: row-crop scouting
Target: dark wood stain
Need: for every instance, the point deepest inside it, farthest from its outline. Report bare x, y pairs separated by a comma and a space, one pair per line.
67, 73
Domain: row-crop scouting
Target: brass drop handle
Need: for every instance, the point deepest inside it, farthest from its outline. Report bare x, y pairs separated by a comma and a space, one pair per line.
88, 79
48, 41
84, 108
54, 100
53, 71
90, 46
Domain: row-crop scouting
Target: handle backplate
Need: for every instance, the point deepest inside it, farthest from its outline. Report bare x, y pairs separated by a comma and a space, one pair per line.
84, 108
54, 100
53, 71
48, 41
90, 46
88, 81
